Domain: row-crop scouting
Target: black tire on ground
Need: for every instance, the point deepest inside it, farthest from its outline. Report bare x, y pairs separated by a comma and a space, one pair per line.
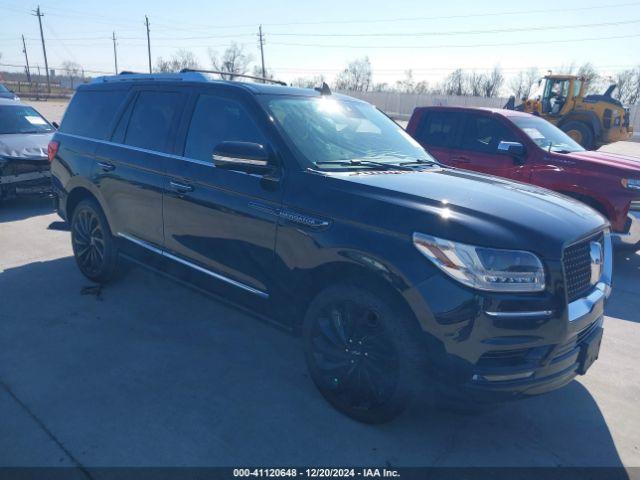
360, 353
581, 130
94, 247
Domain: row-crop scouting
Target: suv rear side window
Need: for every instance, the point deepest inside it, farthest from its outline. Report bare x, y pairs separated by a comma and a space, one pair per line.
153, 117
91, 113
483, 134
218, 120
438, 129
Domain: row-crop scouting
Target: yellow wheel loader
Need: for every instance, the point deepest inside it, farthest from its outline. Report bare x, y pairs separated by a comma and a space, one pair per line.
591, 120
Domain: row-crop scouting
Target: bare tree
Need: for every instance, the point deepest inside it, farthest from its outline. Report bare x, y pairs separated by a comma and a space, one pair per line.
72, 70
475, 82
308, 82
492, 83
520, 85
454, 83
591, 77
628, 81
234, 61
407, 84
381, 87
178, 61
356, 77
421, 87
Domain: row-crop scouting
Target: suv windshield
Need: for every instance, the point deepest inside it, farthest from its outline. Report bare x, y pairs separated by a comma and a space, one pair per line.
326, 130
546, 135
3, 89
22, 119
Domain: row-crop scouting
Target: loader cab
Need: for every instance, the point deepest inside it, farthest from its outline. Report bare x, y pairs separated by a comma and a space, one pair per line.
556, 94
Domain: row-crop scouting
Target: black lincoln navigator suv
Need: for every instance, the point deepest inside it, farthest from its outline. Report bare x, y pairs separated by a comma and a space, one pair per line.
318, 211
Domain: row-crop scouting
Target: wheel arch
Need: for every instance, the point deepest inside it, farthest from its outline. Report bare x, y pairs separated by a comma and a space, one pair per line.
81, 191
379, 280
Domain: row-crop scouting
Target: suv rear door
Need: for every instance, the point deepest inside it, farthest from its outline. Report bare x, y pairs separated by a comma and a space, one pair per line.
477, 148
131, 167
222, 221
437, 132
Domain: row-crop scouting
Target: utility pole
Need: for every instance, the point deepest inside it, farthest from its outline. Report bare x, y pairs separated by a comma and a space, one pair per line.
115, 52
146, 22
38, 14
261, 37
26, 59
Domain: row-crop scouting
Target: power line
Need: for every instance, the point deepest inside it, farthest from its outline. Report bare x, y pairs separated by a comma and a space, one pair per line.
381, 34
473, 45
459, 32
449, 17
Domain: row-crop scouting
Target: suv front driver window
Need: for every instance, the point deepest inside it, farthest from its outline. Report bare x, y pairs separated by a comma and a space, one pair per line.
217, 120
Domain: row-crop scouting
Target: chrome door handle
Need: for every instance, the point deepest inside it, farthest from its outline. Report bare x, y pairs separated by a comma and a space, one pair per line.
181, 187
107, 167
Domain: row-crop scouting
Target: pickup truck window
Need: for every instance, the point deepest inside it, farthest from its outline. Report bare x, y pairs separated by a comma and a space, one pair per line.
329, 130
218, 120
483, 134
151, 120
438, 129
546, 135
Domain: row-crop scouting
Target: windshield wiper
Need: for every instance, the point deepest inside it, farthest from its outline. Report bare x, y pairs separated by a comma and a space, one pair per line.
367, 163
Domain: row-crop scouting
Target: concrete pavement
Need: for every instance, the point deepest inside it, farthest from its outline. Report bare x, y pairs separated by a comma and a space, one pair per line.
149, 372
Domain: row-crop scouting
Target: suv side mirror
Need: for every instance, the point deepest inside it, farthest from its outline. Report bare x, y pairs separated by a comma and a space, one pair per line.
513, 149
243, 156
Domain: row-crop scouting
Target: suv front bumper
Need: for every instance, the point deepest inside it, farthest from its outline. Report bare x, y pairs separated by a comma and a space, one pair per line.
522, 351
543, 369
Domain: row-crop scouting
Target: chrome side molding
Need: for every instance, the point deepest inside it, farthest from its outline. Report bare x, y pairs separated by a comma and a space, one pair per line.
192, 265
530, 314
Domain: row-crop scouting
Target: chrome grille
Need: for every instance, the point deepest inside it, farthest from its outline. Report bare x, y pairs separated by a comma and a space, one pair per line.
577, 267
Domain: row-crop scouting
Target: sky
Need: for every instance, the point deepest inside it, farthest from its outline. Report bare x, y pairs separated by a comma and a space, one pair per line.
307, 38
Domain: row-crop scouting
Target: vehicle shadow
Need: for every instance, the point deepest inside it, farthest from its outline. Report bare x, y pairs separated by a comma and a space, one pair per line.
147, 372
624, 302
15, 209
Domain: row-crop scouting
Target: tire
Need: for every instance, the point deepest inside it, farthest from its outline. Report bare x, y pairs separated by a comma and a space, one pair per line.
580, 132
94, 247
359, 352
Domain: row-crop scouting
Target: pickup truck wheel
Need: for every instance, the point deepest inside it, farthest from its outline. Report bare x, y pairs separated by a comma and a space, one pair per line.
357, 353
93, 245
579, 132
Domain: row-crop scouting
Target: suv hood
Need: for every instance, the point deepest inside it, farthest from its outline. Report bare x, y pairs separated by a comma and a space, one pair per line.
606, 159
24, 146
469, 207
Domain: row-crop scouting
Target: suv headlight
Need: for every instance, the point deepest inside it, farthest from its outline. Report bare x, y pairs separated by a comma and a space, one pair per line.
482, 268
631, 183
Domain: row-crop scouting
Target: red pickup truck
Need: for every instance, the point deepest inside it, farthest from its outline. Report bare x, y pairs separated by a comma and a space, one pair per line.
528, 149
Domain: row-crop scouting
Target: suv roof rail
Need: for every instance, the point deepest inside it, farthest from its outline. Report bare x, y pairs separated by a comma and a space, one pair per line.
241, 75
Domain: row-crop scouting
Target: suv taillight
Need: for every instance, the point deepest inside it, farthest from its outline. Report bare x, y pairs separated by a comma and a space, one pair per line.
52, 150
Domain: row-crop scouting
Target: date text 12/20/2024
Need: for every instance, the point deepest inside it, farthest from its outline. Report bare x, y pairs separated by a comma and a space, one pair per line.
316, 472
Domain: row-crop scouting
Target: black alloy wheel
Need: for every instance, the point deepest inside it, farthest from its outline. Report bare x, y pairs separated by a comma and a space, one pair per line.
93, 245
88, 242
356, 357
